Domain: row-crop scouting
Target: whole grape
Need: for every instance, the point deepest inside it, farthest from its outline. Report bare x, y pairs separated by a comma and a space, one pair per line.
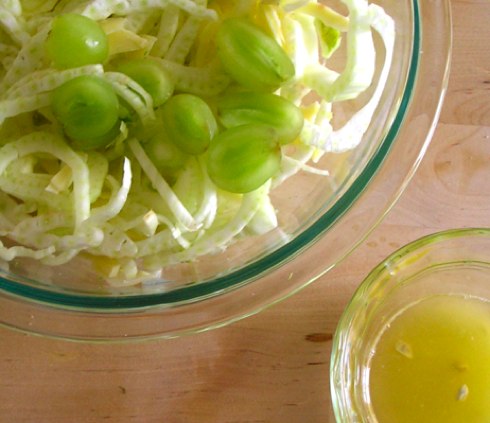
76, 40
243, 158
88, 109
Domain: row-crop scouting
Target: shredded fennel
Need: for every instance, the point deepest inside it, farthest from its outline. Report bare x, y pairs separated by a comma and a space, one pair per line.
57, 202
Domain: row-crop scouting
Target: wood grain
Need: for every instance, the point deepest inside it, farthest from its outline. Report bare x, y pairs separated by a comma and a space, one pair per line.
469, 89
272, 367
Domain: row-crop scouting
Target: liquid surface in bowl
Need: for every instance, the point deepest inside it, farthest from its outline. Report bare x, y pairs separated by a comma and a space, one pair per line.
431, 363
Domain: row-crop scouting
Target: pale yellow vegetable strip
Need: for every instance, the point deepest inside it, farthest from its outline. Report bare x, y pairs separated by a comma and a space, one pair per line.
207, 211
169, 23
326, 15
29, 59
14, 26
90, 237
349, 136
33, 188
141, 22
44, 81
274, 22
317, 126
8, 50
189, 185
175, 205
183, 41
67, 6
145, 224
117, 200
116, 147
156, 241
24, 165
5, 225
163, 240
38, 6
301, 42
218, 240
42, 142
300, 165
321, 79
357, 74
122, 40
13, 212
13, 6
98, 166
167, 239
25, 79
61, 181
36, 232
8, 254
116, 243
102, 9
7, 205
9, 108
289, 168
127, 273
129, 269
62, 258
6, 63
133, 93
175, 232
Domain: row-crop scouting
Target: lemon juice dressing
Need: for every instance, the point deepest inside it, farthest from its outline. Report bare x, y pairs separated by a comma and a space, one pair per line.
432, 363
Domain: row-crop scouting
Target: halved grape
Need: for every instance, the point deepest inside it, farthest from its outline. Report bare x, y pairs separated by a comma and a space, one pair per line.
152, 77
76, 40
236, 109
189, 122
88, 109
243, 158
100, 141
164, 154
251, 57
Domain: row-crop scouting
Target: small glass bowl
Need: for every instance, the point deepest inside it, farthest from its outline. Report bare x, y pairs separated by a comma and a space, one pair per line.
454, 262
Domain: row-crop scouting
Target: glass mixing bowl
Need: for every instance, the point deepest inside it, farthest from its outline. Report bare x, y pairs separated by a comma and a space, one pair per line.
324, 218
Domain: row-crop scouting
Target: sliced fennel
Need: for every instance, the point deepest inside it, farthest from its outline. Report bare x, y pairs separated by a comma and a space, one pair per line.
113, 204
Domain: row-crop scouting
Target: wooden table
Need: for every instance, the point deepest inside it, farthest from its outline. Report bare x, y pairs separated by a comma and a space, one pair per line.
272, 367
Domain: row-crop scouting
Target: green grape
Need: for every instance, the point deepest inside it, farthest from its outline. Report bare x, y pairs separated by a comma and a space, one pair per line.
88, 109
100, 141
243, 158
164, 154
236, 109
151, 77
251, 57
76, 40
189, 122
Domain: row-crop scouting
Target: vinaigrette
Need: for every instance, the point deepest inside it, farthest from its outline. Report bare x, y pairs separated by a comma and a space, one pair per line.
432, 363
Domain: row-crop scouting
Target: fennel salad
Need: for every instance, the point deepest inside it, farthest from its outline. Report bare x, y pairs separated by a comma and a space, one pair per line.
144, 133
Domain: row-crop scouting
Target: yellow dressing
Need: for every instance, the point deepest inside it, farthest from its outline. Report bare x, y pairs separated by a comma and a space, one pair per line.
432, 363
